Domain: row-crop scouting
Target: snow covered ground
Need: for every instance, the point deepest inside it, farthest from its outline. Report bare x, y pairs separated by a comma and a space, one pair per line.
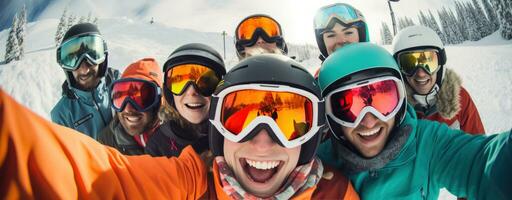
35, 81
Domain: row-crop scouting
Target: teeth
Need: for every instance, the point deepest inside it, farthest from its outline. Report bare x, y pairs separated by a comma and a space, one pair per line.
262, 164
132, 118
194, 104
369, 133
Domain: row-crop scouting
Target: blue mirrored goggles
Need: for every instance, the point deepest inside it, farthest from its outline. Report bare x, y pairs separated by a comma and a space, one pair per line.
72, 52
343, 12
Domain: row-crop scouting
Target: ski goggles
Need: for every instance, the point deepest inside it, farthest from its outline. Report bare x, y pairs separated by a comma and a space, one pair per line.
382, 97
290, 113
203, 78
143, 95
253, 27
343, 12
71, 53
410, 61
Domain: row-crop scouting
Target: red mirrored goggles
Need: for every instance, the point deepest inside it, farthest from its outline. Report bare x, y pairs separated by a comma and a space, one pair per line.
291, 114
143, 95
382, 97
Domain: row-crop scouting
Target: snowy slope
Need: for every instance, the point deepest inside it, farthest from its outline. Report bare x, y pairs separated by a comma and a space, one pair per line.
36, 80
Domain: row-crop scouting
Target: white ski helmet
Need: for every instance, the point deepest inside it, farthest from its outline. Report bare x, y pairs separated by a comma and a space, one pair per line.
420, 37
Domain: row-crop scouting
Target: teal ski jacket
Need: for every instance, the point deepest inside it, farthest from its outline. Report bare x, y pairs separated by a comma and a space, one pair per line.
85, 111
434, 157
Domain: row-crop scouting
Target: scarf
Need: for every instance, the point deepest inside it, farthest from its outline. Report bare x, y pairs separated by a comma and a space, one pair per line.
300, 179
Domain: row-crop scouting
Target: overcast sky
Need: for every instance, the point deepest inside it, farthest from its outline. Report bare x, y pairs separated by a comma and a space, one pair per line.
295, 16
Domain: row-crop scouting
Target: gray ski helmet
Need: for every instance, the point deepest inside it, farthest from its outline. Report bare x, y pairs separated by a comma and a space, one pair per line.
268, 69
192, 53
81, 29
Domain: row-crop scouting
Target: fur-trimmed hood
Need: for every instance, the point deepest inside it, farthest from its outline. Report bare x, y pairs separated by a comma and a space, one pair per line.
447, 102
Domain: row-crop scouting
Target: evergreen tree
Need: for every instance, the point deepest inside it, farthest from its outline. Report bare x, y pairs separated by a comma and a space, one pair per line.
492, 16
95, 21
61, 28
21, 31
471, 22
504, 12
452, 20
434, 26
11, 48
71, 21
459, 9
482, 22
81, 20
443, 19
423, 19
387, 37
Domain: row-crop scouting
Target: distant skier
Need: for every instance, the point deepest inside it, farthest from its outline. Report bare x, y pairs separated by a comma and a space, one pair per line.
84, 105
136, 98
257, 34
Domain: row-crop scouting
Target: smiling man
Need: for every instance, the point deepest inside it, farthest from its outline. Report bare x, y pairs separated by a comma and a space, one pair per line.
136, 98
378, 141
257, 157
84, 105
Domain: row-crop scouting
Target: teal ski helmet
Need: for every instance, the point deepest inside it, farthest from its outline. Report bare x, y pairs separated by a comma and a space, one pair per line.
356, 63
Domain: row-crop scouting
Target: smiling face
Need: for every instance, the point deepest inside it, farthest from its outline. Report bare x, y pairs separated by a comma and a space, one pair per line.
192, 106
339, 36
86, 76
261, 165
421, 81
370, 136
135, 122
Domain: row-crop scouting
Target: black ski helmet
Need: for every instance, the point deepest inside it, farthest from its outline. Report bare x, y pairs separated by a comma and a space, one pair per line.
280, 43
81, 29
269, 69
193, 53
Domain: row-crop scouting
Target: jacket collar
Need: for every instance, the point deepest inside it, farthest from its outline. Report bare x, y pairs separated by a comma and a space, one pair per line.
446, 101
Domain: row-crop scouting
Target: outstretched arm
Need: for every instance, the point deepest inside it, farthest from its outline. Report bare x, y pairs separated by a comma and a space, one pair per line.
39, 159
471, 166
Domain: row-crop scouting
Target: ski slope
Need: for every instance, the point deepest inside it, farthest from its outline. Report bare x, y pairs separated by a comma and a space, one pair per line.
35, 81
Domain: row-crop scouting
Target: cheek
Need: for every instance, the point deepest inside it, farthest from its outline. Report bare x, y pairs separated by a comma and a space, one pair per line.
229, 151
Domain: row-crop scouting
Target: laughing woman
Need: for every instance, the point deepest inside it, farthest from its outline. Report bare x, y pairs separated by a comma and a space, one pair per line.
192, 72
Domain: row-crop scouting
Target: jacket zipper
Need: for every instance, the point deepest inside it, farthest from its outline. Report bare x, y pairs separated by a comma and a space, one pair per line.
98, 108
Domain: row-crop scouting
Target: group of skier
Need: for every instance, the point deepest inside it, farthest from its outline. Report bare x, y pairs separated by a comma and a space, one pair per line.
369, 124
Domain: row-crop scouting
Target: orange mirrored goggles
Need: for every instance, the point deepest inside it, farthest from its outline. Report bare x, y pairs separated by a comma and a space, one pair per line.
410, 61
290, 113
249, 27
203, 79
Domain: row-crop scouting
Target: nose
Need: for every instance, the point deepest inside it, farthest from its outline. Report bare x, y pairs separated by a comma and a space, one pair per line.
260, 41
84, 67
129, 108
262, 142
369, 120
191, 91
421, 72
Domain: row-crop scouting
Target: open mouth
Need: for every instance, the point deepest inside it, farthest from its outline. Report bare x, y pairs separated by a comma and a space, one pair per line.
85, 78
194, 106
133, 118
422, 82
370, 135
260, 171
